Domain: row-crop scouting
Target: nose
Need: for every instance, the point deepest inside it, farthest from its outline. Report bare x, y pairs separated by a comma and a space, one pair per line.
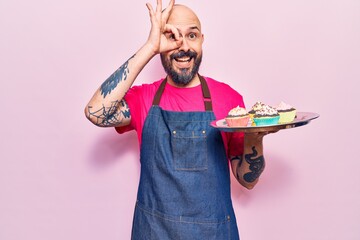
185, 45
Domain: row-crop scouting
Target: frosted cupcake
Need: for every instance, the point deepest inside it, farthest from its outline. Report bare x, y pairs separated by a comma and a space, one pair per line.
287, 112
237, 117
267, 115
257, 106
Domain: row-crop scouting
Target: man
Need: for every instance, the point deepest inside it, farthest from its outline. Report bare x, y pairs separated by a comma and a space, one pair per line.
184, 189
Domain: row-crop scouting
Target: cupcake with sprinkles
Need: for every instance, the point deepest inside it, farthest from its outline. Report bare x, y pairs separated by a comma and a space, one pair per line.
267, 115
257, 106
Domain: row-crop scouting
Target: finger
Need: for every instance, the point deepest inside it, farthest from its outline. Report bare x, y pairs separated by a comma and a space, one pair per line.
150, 8
169, 7
274, 131
159, 6
268, 132
174, 30
173, 45
151, 12
166, 13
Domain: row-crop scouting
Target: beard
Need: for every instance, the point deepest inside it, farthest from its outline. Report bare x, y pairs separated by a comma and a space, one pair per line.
185, 75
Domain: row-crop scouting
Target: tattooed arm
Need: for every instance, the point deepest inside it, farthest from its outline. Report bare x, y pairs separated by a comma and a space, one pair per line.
107, 108
248, 167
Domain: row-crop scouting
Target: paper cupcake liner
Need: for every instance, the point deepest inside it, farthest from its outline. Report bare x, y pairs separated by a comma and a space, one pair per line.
237, 121
251, 115
286, 117
262, 121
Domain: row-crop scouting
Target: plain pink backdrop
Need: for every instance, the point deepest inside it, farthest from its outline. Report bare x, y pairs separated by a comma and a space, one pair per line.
63, 178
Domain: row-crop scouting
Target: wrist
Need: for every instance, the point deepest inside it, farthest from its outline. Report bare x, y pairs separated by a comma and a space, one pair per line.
253, 140
150, 49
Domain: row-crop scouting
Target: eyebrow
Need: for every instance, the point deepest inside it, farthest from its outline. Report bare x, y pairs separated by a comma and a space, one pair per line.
191, 28
195, 27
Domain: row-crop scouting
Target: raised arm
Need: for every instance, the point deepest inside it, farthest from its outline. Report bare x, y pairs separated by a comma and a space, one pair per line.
248, 167
107, 108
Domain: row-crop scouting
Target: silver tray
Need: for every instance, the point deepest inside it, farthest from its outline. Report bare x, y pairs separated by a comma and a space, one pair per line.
301, 119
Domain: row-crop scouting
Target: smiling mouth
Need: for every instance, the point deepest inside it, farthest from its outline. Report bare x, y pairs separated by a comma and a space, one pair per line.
183, 59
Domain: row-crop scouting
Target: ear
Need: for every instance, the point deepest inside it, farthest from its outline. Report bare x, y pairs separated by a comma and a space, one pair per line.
202, 36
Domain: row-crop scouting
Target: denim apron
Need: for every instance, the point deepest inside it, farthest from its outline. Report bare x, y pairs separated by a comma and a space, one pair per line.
184, 188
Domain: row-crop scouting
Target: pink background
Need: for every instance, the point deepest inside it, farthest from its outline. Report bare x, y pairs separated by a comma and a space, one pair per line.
63, 178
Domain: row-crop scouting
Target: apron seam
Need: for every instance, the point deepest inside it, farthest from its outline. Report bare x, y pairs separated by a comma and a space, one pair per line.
181, 221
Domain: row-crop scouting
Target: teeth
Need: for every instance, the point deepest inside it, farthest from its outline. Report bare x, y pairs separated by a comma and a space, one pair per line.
184, 59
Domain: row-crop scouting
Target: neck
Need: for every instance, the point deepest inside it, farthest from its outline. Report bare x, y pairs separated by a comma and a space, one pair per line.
193, 83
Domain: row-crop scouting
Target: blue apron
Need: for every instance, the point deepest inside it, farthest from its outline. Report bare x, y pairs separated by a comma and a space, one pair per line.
184, 189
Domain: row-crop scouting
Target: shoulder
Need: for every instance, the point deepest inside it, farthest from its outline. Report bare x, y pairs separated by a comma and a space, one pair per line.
147, 86
220, 88
223, 97
215, 84
141, 96
144, 91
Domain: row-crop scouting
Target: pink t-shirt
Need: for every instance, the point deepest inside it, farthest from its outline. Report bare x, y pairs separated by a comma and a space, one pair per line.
224, 98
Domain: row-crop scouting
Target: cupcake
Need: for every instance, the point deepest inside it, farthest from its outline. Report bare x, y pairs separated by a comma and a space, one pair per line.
237, 117
257, 106
287, 112
267, 115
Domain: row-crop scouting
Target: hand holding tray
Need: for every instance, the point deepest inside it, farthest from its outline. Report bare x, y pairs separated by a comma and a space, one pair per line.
301, 119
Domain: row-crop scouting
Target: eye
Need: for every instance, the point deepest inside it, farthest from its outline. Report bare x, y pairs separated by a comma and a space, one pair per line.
171, 36
192, 36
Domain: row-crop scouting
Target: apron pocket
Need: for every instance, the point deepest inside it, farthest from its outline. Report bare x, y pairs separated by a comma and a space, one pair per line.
150, 224
189, 150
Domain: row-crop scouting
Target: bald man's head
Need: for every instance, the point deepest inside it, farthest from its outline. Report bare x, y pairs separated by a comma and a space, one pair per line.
183, 15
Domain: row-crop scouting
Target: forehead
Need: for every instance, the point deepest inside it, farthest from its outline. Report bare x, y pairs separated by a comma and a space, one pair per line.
183, 17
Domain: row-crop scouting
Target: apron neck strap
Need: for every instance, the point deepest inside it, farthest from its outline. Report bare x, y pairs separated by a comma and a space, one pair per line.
204, 87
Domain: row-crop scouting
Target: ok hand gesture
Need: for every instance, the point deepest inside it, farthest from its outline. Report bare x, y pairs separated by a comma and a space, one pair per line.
163, 37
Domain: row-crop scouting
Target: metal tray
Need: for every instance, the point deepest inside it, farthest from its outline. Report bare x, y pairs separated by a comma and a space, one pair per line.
301, 119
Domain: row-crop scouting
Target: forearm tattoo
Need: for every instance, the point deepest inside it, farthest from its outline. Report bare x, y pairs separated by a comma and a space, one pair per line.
232, 158
238, 164
119, 75
110, 116
257, 165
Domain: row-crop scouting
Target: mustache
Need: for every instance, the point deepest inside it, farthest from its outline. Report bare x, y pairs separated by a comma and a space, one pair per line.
183, 54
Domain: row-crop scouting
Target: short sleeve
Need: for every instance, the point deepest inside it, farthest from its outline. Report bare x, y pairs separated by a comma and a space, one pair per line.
235, 143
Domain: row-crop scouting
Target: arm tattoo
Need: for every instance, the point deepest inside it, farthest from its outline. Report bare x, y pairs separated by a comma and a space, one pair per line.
238, 164
119, 75
232, 158
110, 116
257, 165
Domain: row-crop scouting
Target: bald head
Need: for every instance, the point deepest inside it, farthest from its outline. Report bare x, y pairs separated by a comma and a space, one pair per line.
182, 15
